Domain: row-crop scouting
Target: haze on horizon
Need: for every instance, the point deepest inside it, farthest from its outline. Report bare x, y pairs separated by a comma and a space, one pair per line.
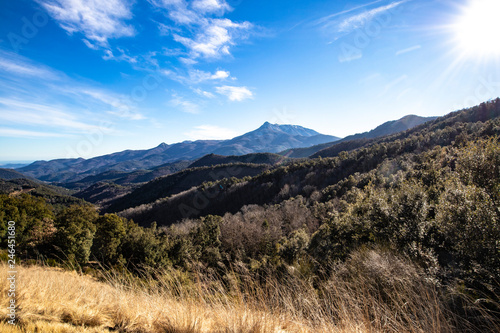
86, 78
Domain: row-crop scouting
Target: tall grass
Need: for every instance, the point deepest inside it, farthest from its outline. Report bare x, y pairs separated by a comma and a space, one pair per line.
372, 292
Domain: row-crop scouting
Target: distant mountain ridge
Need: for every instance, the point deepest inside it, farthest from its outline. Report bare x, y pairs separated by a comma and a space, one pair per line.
269, 138
387, 128
391, 127
9, 174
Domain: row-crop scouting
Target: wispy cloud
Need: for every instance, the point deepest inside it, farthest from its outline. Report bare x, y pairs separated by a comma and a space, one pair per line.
407, 50
127, 115
357, 21
39, 101
211, 6
51, 82
210, 132
345, 22
97, 20
347, 11
235, 93
184, 105
121, 56
204, 93
34, 114
354, 55
122, 106
18, 133
195, 76
20, 66
396, 82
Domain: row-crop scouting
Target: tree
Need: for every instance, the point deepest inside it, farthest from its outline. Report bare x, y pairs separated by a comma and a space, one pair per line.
110, 231
206, 239
144, 247
33, 221
75, 232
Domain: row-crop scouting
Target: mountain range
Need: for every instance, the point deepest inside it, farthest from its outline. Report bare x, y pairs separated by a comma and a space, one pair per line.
271, 138
136, 166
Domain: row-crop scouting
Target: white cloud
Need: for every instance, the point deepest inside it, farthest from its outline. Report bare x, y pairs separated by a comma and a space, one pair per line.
203, 35
188, 61
196, 76
97, 20
166, 30
220, 75
200, 76
177, 11
209, 6
210, 132
204, 93
89, 44
185, 106
235, 93
109, 55
214, 38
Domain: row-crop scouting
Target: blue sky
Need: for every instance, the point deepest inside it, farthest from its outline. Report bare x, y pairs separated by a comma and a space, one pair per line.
82, 78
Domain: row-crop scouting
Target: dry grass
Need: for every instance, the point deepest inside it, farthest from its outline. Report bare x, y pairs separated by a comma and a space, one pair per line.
373, 292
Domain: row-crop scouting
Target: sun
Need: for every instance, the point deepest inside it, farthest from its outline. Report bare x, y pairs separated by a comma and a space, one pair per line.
477, 29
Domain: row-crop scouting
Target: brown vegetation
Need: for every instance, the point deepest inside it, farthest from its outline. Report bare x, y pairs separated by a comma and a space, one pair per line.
373, 291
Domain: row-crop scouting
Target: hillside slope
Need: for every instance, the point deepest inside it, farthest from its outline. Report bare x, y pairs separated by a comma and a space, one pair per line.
258, 158
55, 195
128, 178
303, 178
387, 128
181, 181
9, 174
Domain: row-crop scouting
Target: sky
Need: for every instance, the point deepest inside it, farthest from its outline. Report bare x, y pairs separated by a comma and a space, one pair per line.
83, 78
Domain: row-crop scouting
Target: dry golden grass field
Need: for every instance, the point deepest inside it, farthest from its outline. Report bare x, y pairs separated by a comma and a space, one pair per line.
372, 292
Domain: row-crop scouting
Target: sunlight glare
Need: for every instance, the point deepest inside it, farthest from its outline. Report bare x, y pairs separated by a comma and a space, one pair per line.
477, 29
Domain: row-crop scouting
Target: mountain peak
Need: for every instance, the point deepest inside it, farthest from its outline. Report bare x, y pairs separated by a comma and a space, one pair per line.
266, 125
293, 130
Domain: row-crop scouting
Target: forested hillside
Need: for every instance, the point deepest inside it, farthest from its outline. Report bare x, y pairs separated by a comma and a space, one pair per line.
387, 128
312, 176
184, 180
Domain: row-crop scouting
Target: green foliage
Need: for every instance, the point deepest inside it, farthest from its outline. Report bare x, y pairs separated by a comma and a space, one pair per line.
33, 219
144, 247
468, 221
206, 240
110, 232
294, 246
75, 233
479, 163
